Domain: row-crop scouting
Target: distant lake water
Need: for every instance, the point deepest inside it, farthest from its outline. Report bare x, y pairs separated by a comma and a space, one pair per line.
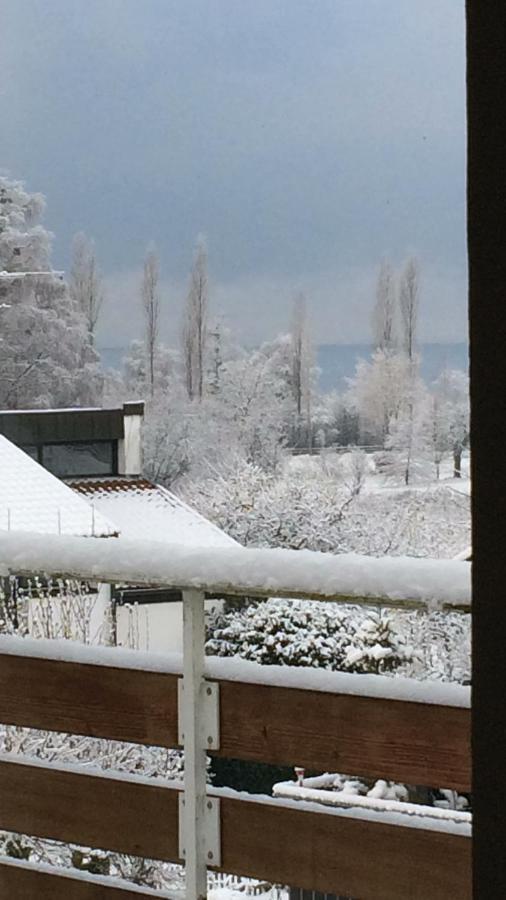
337, 362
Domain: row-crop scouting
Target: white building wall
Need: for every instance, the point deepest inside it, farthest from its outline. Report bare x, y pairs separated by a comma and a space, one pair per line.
155, 627
130, 447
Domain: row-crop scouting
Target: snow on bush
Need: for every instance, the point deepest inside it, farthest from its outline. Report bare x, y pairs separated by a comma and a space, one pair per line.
303, 633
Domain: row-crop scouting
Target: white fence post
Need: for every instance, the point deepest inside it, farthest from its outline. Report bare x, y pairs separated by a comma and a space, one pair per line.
194, 820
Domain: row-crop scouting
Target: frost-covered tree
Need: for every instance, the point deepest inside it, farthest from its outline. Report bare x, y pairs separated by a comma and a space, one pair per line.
450, 417
245, 412
85, 283
384, 318
408, 305
194, 334
302, 363
256, 401
379, 389
246, 419
409, 290
25, 246
46, 357
216, 357
137, 371
151, 310
336, 421
409, 436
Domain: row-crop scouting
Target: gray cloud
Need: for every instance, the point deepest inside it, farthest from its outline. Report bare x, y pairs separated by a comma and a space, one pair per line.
306, 139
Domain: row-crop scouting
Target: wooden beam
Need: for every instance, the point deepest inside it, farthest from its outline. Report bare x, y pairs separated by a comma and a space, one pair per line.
419, 743
343, 855
20, 881
127, 816
97, 701
323, 851
486, 89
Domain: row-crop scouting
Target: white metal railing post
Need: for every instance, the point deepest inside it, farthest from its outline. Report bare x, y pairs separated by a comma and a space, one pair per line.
195, 756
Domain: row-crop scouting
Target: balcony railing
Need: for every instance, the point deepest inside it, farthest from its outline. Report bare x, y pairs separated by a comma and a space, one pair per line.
373, 726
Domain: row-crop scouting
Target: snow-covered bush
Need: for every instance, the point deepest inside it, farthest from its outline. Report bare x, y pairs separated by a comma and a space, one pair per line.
443, 642
310, 633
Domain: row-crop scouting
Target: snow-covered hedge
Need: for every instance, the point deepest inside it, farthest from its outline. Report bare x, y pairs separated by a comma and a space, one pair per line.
302, 633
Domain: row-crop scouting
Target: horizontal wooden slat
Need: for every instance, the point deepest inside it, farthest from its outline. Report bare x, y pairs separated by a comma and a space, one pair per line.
19, 882
97, 701
127, 816
343, 855
274, 841
418, 743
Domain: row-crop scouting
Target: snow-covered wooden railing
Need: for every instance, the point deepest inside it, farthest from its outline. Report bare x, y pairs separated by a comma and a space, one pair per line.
401, 582
373, 725
369, 725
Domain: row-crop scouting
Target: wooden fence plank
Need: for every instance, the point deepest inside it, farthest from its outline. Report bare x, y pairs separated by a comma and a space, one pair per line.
115, 814
18, 882
418, 743
97, 701
343, 855
277, 842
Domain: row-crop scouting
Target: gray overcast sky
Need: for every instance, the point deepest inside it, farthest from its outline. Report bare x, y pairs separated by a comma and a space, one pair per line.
306, 138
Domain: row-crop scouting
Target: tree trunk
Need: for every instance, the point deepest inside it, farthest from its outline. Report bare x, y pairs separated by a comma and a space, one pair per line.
457, 461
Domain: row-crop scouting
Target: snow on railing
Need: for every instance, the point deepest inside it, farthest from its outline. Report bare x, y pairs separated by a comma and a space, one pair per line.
402, 582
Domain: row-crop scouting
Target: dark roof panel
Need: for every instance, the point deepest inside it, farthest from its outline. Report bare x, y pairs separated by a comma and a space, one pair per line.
56, 426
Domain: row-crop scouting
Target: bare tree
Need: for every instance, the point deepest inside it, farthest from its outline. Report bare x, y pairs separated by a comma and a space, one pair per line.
302, 357
408, 305
217, 358
151, 307
85, 282
195, 324
383, 315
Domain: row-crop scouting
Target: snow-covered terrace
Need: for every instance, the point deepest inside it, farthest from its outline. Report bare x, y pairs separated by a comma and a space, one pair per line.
372, 725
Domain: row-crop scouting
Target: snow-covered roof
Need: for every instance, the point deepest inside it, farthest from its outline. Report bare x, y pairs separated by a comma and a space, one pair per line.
146, 511
32, 499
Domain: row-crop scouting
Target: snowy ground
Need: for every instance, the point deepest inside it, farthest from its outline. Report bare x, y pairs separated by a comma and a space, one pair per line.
375, 480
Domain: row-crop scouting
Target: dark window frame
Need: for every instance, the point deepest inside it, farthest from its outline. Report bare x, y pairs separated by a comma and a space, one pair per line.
38, 456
